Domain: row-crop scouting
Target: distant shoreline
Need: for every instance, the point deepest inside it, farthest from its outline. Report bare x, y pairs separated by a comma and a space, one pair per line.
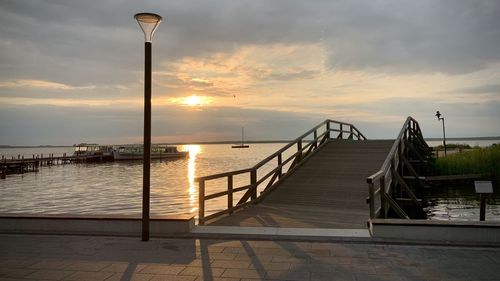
247, 142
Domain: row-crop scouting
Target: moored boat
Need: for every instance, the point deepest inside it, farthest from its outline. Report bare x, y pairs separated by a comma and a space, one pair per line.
92, 149
136, 152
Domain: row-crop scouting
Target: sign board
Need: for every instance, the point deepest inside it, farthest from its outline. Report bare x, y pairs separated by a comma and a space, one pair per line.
483, 186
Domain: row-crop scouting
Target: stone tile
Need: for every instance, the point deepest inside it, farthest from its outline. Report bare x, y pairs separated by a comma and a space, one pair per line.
273, 252
231, 264
195, 263
134, 277
15, 272
288, 275
162, 269
242, 273
233, 250
9, 262
87, 265
89, 275
380, 277
332, 276
334, 260
270, 266
314, 267
122, 267
317, 252
49, 274
358, 268
259, 258
173, 278
201, 278
291, 259
51, 264
201, 271
222, 256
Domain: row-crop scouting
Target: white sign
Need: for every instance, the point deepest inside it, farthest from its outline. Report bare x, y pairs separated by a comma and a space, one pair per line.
483, 186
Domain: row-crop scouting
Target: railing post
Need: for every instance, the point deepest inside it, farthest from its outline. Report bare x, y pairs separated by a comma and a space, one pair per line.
253, 182
280, 171
230, 193
299, 151
372, 199
327, 133
315, 137
341, 133
201, 202
383, 203
351, 134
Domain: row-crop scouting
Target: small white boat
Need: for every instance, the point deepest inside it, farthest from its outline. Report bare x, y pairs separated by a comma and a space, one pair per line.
92, 149
136, 152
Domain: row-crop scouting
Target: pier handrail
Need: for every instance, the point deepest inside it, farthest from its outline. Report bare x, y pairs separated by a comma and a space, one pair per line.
306, 144
409, 138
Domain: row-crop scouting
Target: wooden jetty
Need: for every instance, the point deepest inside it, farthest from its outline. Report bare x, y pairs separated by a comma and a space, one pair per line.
21, 165
323, 183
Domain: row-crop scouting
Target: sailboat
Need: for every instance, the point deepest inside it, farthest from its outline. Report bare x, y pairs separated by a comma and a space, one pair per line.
242, 145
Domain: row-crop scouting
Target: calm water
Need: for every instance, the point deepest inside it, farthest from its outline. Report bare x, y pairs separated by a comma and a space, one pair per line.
460, 203
116, 187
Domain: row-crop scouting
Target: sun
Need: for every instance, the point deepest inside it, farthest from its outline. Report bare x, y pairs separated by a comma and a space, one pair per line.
192, 101
195, 100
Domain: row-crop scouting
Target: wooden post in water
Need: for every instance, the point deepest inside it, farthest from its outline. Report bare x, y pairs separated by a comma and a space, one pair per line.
482, 207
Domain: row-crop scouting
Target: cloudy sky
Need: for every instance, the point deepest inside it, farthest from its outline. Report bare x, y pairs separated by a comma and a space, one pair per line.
72, 71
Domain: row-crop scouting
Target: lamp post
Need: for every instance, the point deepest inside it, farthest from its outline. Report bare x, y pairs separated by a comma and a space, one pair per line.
438, 115
148, 23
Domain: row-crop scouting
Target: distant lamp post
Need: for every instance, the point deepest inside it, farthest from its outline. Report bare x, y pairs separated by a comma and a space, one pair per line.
438, 115
148, 23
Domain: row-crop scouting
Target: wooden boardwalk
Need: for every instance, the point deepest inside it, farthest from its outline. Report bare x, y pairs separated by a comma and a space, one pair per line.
328, 191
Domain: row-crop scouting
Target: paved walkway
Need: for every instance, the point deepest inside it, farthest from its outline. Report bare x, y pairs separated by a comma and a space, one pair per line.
40, 257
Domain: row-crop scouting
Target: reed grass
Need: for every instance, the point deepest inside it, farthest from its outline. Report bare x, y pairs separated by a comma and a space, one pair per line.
484, 161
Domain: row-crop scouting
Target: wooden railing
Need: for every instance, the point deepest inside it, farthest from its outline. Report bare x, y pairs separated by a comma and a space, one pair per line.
409, 144
272, 169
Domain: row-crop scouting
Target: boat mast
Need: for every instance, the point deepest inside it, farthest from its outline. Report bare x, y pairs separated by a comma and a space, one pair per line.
242, 135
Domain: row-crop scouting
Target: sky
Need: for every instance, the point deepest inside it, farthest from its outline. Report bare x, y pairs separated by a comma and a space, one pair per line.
72, 71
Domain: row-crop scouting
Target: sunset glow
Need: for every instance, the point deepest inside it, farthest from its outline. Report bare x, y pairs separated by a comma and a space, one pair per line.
192, 101
369, 63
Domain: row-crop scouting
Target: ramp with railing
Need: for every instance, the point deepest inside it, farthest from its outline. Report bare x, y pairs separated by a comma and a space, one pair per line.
315, 181
242, 188
408, 154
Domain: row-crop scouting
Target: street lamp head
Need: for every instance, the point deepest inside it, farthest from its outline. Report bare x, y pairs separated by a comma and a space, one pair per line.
438, 115
148, 23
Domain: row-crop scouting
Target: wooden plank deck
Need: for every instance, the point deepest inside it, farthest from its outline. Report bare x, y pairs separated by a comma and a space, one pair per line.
328, 191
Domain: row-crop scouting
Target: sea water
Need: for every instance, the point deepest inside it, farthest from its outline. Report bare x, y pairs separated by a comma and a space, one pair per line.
115, 188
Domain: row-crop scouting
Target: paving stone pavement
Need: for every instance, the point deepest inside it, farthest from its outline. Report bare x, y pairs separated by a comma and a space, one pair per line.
46, 257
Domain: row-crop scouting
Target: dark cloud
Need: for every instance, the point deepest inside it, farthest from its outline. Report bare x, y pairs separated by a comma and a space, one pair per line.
292, 75
483, 89
98, 41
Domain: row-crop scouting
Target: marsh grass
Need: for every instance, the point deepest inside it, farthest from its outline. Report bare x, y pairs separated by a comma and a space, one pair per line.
484, 161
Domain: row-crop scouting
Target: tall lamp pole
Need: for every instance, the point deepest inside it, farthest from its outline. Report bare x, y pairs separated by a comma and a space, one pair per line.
438, 115
148, 23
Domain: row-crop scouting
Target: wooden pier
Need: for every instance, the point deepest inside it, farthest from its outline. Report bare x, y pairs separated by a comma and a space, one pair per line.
21, 165
336, 178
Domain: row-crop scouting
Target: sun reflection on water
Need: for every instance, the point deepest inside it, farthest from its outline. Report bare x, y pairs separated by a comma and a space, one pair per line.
193, 149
